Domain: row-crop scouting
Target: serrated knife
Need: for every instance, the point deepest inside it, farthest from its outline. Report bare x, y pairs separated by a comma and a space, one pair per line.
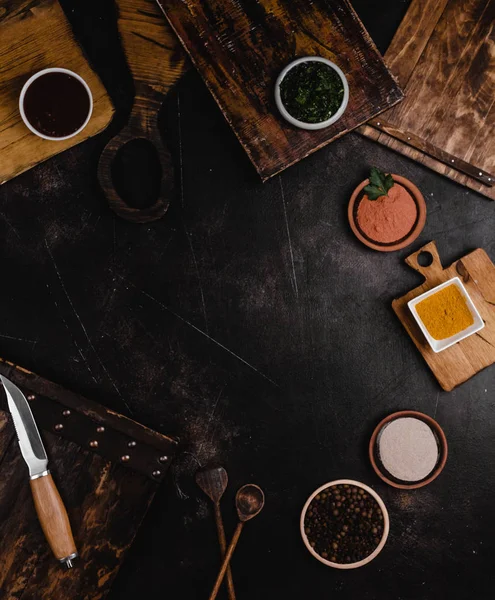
49, 506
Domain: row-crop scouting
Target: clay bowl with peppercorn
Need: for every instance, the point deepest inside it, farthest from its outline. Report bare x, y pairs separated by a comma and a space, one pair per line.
344, 524
386, 212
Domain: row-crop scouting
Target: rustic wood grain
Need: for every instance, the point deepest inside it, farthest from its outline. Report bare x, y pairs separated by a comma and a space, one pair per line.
36, 35
443, 54
6, 433
106, 501
51, 400
240, 47
156, 60
461, 361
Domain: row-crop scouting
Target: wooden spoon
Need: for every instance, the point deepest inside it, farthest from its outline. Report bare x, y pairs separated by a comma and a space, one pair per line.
214, 482
249, 501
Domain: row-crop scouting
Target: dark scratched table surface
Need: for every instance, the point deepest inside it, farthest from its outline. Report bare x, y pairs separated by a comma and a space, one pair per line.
252, 324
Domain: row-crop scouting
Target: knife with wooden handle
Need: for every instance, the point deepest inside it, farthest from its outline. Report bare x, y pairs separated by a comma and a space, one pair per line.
49, 506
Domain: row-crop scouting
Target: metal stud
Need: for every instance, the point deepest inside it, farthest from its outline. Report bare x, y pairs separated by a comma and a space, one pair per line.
156, 473
480, 174
378, 123
31, 397
408, 138
163, 459
66, 413
100, 429
59, 427
125, 458
93, 443
131, 444
452, 160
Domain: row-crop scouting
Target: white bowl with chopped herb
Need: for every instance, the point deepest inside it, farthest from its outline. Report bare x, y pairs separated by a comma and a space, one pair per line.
311, 92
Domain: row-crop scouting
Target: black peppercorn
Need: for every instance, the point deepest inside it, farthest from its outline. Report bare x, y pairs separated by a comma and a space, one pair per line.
347, 535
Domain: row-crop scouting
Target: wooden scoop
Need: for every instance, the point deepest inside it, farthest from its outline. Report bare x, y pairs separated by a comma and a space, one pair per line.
157, 61
214, 482
249, 501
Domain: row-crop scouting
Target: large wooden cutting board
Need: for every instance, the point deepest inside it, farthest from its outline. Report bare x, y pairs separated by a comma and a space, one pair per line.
240, 46
34, 35
461, 361
107, 489
444, 56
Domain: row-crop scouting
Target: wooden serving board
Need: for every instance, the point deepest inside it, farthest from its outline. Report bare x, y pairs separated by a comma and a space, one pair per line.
443, 54
458, 363
240, 47
106, 496
34, 35
156, 60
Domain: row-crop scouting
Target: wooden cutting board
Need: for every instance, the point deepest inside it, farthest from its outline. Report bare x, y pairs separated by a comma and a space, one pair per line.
107, 489
157, 61
239, 48
458, 363
34, 35
443, 54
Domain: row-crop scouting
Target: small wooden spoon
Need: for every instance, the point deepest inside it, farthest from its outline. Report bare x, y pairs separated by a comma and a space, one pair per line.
214, 482
249, 501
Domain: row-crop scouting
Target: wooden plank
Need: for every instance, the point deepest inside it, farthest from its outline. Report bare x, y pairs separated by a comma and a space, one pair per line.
450, 87
239, 48
36, 35
456, 364
411, 38
106, 500
101, 415
6, 433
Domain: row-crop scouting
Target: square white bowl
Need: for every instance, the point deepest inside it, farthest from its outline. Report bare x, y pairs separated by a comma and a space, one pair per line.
439, 345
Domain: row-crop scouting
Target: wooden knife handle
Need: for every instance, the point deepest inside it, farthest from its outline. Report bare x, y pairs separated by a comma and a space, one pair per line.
53, 518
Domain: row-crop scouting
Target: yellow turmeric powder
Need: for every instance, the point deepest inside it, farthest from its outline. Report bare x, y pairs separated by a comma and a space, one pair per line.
445, 313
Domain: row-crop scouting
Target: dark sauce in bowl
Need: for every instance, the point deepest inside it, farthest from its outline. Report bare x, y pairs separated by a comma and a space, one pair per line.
56, 104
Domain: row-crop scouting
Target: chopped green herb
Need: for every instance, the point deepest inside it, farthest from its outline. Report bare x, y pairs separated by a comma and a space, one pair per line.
312, 92
379, 184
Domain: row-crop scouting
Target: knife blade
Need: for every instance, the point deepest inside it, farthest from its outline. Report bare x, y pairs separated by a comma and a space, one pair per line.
48, 503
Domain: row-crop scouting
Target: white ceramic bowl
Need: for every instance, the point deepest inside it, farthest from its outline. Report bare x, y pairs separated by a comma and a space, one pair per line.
23, 94
439, 345
386, 525
302, 124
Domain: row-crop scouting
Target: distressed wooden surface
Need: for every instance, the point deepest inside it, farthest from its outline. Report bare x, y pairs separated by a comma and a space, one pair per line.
444, 56
240, 47
156, 60
456, 364
105, 501
36, 35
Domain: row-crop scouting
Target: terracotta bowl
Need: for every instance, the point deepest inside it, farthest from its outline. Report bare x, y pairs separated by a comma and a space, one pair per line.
417, 228
376, 551
442, 447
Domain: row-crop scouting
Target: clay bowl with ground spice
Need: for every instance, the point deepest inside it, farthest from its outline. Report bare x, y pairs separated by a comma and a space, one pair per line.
344, 524
439, 462
391, 222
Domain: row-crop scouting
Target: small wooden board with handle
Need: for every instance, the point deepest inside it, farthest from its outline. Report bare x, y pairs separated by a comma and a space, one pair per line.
443, 55
34, 35
156, 60
240, 47
107, 469
456, 364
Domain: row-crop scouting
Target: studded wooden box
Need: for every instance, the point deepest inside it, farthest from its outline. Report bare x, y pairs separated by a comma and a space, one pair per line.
107, 468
